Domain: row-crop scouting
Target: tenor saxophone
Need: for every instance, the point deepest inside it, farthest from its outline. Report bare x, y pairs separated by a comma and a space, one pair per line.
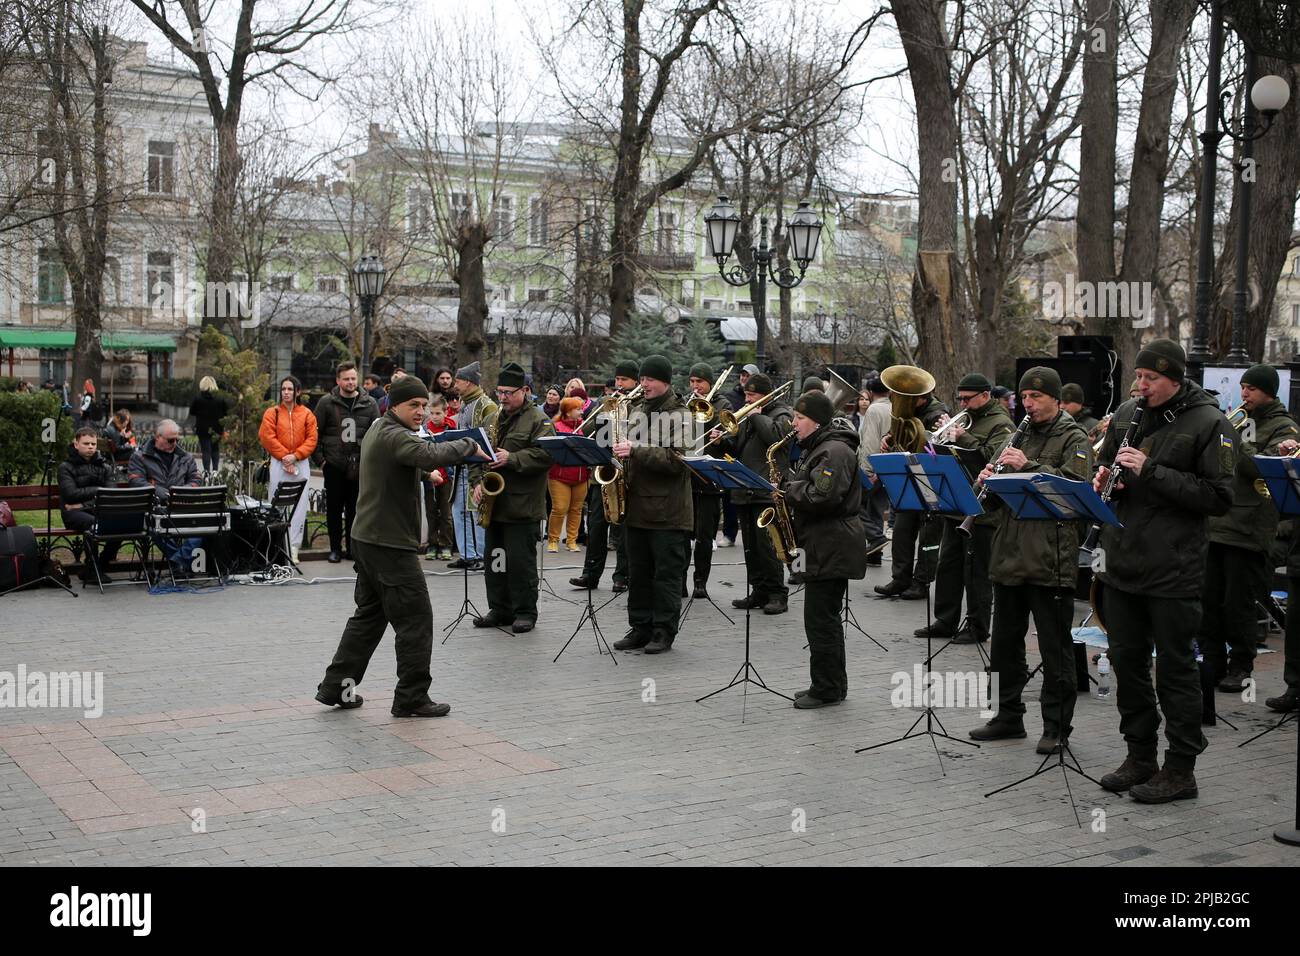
776, 519
492, 482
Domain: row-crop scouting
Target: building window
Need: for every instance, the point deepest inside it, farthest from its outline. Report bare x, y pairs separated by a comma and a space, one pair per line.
51, 278
712, 305
1295, 315
503, 217
667, 233
538, 295
111, 282
744, 306
538, 222
328, 284
54, 366
162, 167
160, 279
417, 210
459, 208
1295, 265
281, 283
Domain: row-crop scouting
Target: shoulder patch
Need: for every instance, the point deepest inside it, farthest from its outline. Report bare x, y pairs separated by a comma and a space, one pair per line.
1227, 460
824, 479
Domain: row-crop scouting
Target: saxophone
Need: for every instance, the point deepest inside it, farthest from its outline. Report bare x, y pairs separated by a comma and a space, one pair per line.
612, 478
776, 519
492, 482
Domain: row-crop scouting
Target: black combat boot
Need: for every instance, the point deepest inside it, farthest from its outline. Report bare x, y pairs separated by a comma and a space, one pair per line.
1131, 772
633, 640
1168, 783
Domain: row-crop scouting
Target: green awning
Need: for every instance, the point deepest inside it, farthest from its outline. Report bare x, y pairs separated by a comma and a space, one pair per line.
63, 339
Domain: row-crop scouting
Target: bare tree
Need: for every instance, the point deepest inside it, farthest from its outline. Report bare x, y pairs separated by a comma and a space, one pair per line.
1169, 24
937, 303
74, 55
461, 118
267, 45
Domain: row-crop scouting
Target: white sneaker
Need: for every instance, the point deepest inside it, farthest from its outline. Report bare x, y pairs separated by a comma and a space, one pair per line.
293, 555
715, 545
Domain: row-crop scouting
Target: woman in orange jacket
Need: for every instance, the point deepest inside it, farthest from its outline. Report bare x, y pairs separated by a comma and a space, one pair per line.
288, 434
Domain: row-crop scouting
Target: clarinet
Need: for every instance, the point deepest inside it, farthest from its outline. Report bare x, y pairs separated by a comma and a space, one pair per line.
1116, 472
1016, 439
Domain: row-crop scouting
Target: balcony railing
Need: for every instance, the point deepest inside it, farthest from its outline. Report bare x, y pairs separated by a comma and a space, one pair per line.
665, 262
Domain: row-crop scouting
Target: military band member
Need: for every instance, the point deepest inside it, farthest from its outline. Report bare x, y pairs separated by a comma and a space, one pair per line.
1072, 400
824, 495
1034, 564
510, 544
390, 585
706, 498
1237, 568
964, 562
875, 501
659, 520
915, 546
758, 432
601, 535
1289, 699
1177, 473
477, 410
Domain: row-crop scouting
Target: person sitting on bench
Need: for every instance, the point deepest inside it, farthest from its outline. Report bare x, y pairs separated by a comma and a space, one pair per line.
162, 464
80, 478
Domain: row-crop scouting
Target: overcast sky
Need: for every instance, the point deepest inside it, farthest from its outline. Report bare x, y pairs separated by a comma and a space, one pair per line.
886, 131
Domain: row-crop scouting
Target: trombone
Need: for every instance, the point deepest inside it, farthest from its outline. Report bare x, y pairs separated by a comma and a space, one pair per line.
702, 408
730, 421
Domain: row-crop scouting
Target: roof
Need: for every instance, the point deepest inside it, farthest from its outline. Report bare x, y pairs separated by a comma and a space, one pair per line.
39, 338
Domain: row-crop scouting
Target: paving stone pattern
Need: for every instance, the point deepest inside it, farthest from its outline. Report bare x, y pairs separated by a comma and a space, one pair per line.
211, 750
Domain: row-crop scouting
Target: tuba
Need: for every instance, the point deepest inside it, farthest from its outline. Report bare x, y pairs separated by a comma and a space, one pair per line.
492, 482
776, 519
906, 383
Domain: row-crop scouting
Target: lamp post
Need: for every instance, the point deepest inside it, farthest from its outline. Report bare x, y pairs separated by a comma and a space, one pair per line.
1268, 95
804, 230
819, 319
501, 341
521, 323
368, 279
1274, 35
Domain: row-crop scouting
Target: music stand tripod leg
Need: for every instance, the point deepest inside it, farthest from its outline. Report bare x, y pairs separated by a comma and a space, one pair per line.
589, 614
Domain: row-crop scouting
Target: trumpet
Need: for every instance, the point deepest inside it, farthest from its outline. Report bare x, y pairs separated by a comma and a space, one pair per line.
702, 408
936, 437
1238, 417
608, 404
730, 421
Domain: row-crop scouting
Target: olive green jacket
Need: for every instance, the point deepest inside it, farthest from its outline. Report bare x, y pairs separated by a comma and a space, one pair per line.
989, 430
1165, 510
1251, 522
524, 497
393, 459
1038, 552
824, 495
720, 403
656, 481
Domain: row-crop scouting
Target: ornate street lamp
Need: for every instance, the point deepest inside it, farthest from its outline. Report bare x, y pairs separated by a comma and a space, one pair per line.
368, 278
804, 230
1271, 28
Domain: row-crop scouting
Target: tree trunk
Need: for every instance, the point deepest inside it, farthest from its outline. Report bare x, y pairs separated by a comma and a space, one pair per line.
1098, 116
1170, 22
944, 340
222, 241
472, 312
625, 242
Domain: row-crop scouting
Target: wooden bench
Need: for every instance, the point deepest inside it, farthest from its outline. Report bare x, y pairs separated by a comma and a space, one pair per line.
33, 498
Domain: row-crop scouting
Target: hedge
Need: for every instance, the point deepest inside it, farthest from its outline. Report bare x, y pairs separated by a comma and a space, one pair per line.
24, 421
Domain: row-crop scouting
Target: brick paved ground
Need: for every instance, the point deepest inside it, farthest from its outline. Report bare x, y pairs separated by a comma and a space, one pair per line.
208, 707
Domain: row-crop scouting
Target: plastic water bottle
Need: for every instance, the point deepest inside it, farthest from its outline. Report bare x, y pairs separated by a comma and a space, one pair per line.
1103, 677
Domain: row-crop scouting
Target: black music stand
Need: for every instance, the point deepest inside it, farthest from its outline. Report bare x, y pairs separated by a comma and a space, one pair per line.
574, 450
1042, 497
934, 485
467, 607
728, 474
690, 601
